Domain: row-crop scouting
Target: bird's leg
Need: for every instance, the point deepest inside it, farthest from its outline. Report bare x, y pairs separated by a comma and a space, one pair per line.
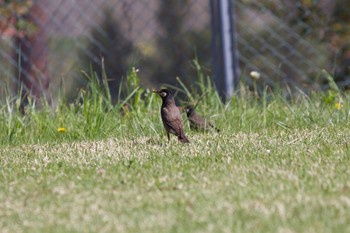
168, 134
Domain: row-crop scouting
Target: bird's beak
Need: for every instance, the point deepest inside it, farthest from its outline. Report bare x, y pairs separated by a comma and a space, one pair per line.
155, 91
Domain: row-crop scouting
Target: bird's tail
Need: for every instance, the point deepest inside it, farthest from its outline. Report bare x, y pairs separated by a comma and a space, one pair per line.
182, 138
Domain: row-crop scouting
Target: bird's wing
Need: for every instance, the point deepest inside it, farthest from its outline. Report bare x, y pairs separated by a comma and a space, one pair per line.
172, 119
198, 120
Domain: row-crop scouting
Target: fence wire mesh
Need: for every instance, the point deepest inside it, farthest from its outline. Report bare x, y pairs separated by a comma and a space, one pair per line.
287, 41
159, 37
45, 44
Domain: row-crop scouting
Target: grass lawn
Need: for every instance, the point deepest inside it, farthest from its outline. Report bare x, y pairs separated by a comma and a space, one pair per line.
276, 166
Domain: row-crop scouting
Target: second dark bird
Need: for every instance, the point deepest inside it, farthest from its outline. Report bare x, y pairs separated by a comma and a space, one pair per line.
171, 116
197, 122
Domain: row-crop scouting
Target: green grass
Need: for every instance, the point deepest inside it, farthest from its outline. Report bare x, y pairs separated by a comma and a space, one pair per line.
277, 165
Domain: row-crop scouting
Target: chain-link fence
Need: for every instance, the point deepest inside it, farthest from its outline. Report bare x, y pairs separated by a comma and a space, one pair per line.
45, 44
290, 42
158, 37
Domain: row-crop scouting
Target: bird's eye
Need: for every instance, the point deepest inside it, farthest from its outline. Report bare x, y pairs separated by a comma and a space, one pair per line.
163, 94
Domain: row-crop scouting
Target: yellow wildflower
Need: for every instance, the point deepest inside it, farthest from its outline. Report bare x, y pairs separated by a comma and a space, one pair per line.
338, 106
61, 130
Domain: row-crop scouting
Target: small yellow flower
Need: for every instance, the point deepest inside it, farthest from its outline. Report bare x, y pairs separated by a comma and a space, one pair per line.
61, 130
338, 106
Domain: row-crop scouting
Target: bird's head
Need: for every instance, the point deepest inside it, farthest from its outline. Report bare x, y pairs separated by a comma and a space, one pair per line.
189, 110
164, 93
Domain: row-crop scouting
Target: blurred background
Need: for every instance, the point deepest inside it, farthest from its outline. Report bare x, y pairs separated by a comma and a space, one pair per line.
45, 45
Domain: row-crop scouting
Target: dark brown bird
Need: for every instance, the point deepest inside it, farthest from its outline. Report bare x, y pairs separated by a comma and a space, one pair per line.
171, 116
197, 122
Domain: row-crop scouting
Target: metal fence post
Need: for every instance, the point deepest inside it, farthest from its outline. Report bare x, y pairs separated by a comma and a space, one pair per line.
225, 60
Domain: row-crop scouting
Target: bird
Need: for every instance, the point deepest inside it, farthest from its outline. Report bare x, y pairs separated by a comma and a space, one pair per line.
197, 122
171, 116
